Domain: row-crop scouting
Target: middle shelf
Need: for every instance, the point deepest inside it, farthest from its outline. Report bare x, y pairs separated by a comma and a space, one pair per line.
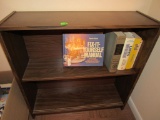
46, 69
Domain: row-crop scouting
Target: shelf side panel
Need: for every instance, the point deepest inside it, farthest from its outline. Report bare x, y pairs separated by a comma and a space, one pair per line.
16, 53
15, 50
75, 83
124, 86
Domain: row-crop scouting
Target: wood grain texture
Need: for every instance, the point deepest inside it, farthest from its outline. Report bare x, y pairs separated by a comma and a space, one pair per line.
104, 114
124, 86
75, 83
77, 20
68, 99
16, 53
44, 46
52, 69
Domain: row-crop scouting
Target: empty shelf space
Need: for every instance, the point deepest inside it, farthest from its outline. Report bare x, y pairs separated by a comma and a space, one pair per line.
52, 69
68, 99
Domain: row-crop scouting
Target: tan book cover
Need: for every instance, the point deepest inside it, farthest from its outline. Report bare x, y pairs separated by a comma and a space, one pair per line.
113, 48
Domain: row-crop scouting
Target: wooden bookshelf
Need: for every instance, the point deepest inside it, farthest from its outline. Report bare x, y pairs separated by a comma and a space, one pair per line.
32, 42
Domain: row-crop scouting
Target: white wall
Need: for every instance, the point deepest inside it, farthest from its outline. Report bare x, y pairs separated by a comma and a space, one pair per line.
6, 6
146, 95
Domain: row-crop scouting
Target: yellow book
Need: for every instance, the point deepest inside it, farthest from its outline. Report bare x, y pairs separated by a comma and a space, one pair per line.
134, 51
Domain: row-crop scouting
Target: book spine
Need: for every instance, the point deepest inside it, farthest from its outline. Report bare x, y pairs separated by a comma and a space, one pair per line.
134, 53
125, 53
117, 54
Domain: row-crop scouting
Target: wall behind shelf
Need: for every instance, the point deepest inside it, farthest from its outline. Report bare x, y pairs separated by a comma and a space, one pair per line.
145, 96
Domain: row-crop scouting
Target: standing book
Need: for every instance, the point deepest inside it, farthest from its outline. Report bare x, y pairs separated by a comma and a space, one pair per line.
114, 43
83, 49
134, 52
126, 50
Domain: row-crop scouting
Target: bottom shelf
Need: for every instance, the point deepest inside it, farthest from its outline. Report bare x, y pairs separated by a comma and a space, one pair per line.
69, 99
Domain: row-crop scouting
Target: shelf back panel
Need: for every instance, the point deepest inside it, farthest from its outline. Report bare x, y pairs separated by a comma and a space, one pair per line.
44, 46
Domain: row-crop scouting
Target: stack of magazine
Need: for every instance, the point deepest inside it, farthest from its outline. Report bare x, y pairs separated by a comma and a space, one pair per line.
4, 91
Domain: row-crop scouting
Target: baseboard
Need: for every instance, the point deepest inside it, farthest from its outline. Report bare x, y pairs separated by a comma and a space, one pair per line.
134, 109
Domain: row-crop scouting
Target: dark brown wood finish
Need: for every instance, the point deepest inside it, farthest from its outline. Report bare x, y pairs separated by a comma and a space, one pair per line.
124, 85
68, 99
16, 53
76, 20
44, 46
75, 83
104, 114
52, 69
32, 42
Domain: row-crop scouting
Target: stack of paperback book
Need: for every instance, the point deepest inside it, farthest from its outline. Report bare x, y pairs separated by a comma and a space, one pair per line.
4, 91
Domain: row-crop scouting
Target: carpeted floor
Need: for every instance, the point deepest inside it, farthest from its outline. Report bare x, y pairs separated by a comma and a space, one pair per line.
105, 114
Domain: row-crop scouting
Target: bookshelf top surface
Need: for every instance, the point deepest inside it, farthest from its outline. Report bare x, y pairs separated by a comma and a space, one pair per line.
76, 20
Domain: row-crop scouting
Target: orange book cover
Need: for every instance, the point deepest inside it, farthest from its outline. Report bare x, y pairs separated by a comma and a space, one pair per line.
83, 49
